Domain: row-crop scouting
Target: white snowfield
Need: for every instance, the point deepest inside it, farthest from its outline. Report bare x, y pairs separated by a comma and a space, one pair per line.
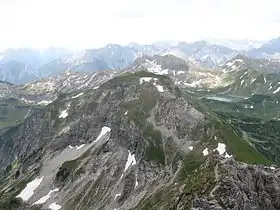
136, 182
277, 90
247, 107
81, 146
117, 195
44, 102
148, 79
54, 206
46, 197
130, 160
239, 60
222, 150
77, 147
63, 114
104, 130
180, 72
76, 96
191, 148
28, 191
229, 64
155, 68
194, 84
160, 88
205, 152
145, 79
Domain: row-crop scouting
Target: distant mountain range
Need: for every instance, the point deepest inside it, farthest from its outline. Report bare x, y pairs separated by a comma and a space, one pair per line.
25, 65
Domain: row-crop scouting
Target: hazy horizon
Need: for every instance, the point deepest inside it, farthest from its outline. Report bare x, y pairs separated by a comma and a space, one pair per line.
80, 24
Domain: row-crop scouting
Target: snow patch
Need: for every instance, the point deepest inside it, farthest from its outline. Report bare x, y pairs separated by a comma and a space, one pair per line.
136, 182
272, 167
165, 71
28, 191
130, 160
46, 197
222, 150
54, 206
63, 114
160, 88
81, 146
95, 87
117, 195
194, 84
77, 147
277, 90
247, 106
264, 80
125, 113
44, 102
104, 130
228, 156
253, 81
205, 152
191, 148
76, 96
239, 60
229, 64
145, 79
242, 82
155, 68
180, 72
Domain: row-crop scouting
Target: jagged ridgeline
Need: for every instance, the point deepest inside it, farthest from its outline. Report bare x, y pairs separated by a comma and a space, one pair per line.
135, 142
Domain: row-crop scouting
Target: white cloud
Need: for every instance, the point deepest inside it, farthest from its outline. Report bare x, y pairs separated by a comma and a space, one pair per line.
92, 23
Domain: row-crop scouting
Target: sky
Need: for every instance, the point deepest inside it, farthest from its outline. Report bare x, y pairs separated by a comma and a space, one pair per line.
94, 23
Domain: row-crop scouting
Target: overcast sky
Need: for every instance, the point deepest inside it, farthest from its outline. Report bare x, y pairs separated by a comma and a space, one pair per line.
93, 23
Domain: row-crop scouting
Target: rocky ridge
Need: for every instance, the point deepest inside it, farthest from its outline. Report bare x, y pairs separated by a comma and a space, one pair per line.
115, 146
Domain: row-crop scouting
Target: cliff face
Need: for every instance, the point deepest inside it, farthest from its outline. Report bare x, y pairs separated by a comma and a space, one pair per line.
134, 142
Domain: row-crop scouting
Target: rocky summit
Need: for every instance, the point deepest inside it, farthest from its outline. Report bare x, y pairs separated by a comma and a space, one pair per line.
149, 136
